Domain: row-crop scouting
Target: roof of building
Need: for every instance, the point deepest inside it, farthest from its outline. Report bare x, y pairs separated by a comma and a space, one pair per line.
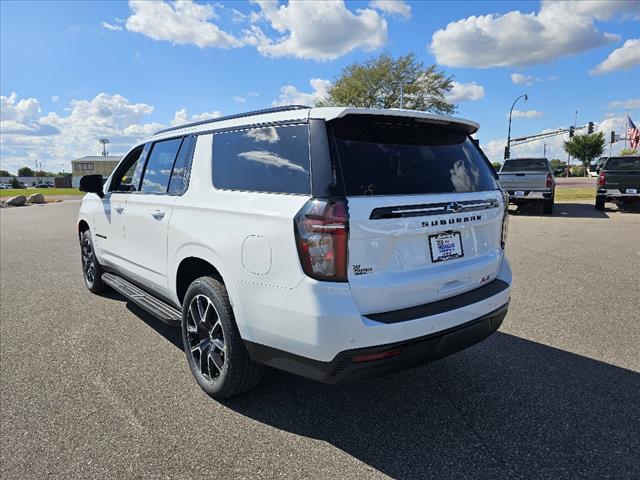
298, 112
99, 158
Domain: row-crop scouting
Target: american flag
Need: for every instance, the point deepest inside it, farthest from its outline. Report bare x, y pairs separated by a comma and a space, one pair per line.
633, 134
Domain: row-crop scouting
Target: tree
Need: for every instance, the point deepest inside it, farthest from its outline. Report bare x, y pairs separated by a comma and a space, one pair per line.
629, 151
4, 173
15, 183
496, 165
557, 164
377, 83
585, 148
25, 172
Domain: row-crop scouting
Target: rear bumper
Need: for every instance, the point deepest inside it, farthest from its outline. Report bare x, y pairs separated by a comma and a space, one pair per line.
610, 194
529, 195
344, 368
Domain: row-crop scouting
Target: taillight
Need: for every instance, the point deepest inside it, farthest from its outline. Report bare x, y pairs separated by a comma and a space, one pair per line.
321, 228
505, 219
601, 179
549, 180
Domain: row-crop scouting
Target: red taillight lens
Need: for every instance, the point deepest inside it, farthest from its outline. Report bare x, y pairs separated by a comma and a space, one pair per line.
601, 179
321, 228
549, 180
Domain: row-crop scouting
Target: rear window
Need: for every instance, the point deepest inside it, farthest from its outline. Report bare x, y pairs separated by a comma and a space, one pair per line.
525, 164
403, 156
265, 159
623, 163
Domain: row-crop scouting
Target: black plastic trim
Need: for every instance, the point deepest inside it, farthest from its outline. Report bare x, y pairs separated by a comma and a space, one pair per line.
414, 352
441, 306
232, 117
426, 209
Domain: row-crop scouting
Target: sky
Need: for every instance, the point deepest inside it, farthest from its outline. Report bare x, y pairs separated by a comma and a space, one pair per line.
73, 72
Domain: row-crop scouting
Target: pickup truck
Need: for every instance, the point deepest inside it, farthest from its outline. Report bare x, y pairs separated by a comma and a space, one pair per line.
618, 181
529, 180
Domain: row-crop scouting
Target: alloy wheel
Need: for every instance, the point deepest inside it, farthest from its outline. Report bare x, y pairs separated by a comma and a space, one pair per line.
205, 337
88, 261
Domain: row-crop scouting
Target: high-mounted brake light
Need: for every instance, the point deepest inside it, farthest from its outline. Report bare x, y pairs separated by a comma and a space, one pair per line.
321, 229
549, 180
601, 179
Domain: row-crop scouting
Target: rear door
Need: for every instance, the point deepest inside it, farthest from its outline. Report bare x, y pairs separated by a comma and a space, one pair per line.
425, 211
148, 212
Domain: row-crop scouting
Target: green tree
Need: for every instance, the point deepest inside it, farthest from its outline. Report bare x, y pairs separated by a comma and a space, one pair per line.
4, 173
496, 165
585, 148
377, 83
629, 151
25, 172
15, 183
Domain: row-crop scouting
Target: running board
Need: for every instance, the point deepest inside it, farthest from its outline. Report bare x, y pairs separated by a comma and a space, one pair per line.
159, 309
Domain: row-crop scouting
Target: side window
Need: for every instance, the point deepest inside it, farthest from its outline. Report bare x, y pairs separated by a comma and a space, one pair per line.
122, 180
179, 181
155, 178
266, 159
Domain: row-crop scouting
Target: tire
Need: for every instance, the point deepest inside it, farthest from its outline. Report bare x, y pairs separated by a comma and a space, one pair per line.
215, 352
599, 202
91, 269
547, 206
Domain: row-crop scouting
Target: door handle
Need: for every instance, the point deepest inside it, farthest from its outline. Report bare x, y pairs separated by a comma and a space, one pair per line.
157, 214
119, 208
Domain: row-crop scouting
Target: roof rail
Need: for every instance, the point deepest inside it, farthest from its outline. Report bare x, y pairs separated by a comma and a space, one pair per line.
283, 108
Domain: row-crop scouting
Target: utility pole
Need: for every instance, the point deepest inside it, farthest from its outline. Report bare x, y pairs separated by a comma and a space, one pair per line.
544, 154
104, 142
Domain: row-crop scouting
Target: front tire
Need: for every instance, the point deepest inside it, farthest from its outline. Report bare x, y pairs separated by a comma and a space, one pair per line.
91, 268
212, 343
599, 202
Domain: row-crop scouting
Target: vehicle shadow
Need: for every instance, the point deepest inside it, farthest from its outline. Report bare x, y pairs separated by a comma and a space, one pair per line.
561, 209
507, 407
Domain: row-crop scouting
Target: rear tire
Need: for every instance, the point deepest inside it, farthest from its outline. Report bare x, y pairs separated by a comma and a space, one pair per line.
91, 268
547, 206
212, 343
599, 202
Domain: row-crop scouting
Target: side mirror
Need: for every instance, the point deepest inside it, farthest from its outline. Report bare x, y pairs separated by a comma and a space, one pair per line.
92, 184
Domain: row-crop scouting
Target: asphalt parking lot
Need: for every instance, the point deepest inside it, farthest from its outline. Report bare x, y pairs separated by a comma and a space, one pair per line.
91, 386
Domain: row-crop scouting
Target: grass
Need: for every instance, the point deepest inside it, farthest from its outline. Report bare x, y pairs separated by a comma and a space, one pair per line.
566, 194
47, 192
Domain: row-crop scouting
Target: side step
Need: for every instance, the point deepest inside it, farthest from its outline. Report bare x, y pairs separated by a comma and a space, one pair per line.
159, 309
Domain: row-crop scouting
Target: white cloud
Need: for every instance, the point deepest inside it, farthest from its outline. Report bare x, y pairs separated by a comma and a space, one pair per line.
270, 159
395, 8
464, 91
631, 104
526, 114
316, 30
182, 22
55, 98
181, 117
520, 79
623, 58
518, 39
240, 99
23, 117
290, 95
111, 26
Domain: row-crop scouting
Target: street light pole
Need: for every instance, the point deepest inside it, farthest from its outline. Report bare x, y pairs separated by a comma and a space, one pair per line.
510, 113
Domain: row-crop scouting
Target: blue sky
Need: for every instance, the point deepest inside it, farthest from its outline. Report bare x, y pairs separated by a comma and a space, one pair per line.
71, 72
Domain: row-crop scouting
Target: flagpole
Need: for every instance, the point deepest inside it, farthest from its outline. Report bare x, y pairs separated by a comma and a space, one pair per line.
626, 131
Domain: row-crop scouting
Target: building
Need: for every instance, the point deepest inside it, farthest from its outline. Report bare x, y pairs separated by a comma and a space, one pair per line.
93, 165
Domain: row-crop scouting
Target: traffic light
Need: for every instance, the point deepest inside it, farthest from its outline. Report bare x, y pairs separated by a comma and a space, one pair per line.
506, 152
571, 131
590, 128
613, 137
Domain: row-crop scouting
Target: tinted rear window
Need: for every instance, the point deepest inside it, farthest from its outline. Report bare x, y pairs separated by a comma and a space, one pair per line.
623, 163
525, 164
400, 156
266, 159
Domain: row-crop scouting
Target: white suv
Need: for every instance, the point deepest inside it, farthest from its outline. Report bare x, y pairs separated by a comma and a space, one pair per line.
334, 243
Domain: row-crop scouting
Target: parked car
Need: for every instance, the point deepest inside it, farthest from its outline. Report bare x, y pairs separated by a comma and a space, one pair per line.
44, 185
618, 181
529, 180
5, 186
334, 243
